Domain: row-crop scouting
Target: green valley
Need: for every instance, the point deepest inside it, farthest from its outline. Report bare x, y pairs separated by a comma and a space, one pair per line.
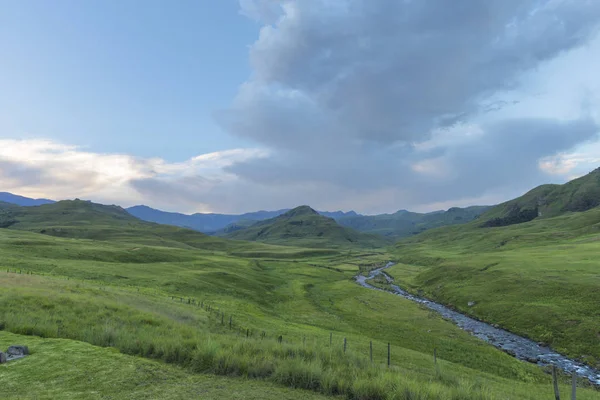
168, 294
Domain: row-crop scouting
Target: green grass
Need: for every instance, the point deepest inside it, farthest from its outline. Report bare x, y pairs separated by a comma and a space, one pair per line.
123, 292
538, 279
68, 369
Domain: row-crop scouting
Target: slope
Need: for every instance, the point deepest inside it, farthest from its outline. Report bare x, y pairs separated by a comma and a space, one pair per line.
62, 369
537, 278
303, 226
405, 223
80, 219
21, 200
548, 201
177, 310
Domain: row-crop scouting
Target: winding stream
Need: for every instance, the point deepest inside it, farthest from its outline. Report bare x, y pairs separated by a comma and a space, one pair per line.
517, 346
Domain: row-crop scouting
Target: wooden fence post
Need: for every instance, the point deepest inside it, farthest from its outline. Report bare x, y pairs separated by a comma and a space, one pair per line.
389, 355
345, 345
371, 350
574, 386
555, 383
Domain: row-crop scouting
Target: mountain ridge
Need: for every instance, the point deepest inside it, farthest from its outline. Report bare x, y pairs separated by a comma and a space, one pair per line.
303, 226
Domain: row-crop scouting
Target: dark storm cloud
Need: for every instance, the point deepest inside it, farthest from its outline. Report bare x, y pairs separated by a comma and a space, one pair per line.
345, 93
388, 71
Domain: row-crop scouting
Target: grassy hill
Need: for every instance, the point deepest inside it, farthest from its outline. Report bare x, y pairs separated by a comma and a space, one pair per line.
537, 278
548, 201
405, 223
172, 302
304, 226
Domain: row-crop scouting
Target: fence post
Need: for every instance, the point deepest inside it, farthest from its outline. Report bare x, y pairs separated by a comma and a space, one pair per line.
371, 350
389, 355
555, 383
434, 355
344, 345
574, 386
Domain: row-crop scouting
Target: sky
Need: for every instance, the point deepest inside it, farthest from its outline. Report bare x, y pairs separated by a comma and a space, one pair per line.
235, 106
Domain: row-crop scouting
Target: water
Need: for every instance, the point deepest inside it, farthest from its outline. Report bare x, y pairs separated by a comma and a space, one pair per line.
515, 345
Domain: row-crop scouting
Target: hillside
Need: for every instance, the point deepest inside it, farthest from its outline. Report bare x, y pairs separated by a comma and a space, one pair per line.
537, 278
548, 201
405, 223
79, 219
22, 200
303, 226
133, 301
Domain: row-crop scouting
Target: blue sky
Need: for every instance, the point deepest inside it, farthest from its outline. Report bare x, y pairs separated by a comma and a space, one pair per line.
233, 106
122, 76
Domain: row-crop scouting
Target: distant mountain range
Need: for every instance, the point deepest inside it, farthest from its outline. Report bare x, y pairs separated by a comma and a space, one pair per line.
22, 201
213, 223
397, 225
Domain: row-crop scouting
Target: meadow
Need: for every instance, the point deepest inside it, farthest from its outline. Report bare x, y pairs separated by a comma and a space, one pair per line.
538, 279
169, 302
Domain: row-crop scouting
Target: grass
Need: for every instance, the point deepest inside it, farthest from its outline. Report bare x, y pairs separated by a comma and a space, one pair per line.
141, 296
68, 369
538, 279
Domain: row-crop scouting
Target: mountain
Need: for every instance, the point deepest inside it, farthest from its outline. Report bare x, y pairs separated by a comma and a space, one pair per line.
79, 219
547, 201
405, 223
303, 226
201, 222
22, 201
214, 223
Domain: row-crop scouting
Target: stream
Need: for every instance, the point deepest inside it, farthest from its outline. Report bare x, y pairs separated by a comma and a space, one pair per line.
517, 346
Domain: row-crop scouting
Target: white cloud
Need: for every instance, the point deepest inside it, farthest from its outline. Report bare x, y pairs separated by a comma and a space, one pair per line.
43, 168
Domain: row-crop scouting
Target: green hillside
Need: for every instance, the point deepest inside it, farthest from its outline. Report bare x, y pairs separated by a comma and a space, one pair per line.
79, 219
548, 201
538, 278
172, 304
405, 223
303, 226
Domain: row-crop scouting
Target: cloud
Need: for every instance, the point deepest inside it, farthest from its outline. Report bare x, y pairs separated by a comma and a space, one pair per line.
428, 101
388, 71
372, 105
43, 168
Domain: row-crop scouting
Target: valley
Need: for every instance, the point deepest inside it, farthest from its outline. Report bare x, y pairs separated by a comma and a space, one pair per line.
277, 301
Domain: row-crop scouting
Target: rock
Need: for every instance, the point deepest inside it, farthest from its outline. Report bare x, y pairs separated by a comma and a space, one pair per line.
18, 350
471, 303
2, 358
